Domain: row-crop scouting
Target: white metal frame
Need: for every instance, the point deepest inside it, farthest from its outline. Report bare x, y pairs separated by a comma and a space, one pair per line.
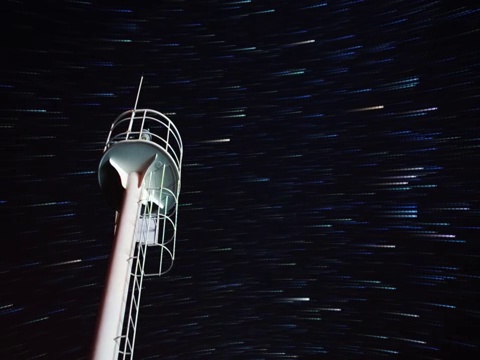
133, 125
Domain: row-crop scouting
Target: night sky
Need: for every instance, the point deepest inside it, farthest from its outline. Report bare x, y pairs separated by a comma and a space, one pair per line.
330, 203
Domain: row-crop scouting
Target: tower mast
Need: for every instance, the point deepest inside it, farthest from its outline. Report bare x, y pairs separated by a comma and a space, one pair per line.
140, 176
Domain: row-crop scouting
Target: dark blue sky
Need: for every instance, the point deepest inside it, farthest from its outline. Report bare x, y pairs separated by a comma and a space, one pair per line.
330, 193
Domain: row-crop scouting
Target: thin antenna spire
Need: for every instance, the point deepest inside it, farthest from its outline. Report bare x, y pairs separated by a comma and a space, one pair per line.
138, 93
134, 108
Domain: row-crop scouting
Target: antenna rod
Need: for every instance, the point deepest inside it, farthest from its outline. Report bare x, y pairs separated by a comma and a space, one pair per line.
138, 93
129, 130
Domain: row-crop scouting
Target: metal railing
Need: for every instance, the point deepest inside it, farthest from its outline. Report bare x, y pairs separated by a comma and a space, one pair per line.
148, 125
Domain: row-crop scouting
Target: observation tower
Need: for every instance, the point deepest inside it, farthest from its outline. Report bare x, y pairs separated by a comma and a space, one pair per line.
140, 176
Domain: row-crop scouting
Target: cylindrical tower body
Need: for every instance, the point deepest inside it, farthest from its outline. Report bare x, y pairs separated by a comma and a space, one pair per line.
139, 175
118, 276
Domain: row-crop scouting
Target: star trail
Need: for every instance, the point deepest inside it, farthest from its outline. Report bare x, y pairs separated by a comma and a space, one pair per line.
330, 198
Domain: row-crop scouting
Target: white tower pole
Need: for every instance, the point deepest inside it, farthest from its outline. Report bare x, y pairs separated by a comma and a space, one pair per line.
109, 328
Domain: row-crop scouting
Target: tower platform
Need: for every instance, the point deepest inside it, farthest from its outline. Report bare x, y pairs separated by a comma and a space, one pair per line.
148, 143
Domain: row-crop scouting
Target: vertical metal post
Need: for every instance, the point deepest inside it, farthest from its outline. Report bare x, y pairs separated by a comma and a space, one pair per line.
112, 310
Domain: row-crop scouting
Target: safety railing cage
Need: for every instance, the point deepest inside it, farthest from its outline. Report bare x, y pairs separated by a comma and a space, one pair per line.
148, 125
156, 228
